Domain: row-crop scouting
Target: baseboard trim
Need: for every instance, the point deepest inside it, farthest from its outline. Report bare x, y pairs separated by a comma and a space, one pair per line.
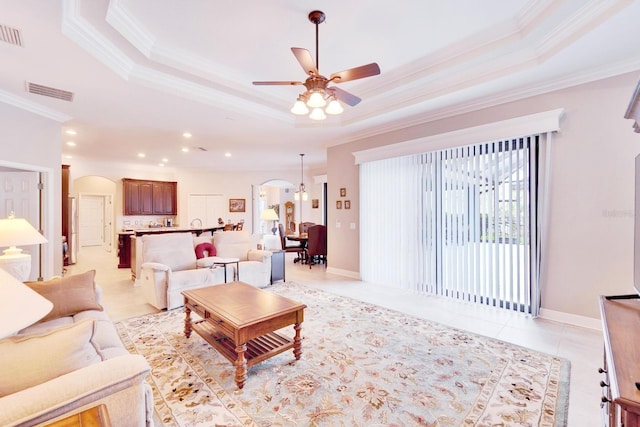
346, 273
571, 319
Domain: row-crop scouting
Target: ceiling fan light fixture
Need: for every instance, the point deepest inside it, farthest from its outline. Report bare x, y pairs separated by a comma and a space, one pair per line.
300, 108
316, 100
334, 107
317, 114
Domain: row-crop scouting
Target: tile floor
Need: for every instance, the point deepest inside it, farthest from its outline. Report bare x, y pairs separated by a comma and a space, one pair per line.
583, 347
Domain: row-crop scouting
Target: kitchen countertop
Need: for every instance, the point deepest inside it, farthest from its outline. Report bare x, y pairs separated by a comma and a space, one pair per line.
152, 230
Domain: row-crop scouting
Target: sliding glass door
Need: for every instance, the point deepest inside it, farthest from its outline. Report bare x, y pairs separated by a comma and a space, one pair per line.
459, 222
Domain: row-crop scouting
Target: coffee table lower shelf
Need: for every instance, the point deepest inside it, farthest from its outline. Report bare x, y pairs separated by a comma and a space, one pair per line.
258, 349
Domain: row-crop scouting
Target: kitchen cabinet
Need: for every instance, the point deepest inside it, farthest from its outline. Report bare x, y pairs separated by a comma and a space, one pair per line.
142, 197
124, 250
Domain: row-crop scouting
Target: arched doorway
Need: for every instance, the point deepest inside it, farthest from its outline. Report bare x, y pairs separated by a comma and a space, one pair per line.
271, 194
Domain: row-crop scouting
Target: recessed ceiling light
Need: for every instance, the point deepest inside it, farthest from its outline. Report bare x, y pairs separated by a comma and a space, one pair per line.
141, 155
187, 135
70, 132
165, 160
185, 149
71, 143
68, 157
160, 164
227, 154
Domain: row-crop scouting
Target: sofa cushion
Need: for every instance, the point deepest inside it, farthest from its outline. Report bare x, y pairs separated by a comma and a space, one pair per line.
28, 360
172, 249
70, 295
232, 244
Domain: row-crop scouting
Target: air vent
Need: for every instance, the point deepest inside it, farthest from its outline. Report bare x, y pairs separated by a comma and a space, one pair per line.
202, 149
51, 92
10, 35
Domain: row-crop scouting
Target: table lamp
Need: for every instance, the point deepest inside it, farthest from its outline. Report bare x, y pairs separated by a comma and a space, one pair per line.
270, 215
20, 306
17, 232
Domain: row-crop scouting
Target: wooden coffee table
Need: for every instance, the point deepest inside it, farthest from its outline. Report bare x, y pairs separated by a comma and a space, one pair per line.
240, 320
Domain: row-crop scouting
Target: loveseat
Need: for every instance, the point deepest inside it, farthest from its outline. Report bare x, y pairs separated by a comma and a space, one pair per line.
71, 360
170, 265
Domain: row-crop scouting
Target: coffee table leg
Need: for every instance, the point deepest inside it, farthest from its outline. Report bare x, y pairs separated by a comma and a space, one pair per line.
297, 342
241, 365
187, 322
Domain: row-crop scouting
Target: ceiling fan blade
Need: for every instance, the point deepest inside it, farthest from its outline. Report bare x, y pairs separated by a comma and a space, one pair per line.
277, 83
306, 60
344, 96
356, 73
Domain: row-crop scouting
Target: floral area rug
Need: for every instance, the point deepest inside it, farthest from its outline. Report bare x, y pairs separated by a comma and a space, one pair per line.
361, 365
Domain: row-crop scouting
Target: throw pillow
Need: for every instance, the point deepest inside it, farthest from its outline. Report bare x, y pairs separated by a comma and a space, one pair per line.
70, 295
28, 360
203, 247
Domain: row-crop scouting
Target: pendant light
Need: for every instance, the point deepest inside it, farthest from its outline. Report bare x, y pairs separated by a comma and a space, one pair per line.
301, 193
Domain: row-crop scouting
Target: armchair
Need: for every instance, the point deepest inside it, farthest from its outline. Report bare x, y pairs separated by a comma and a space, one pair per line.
254, 267
169, 266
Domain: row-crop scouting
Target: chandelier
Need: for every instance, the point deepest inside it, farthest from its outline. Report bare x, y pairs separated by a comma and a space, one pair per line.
301, 193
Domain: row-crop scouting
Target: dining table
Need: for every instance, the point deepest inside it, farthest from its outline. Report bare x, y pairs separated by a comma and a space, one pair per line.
303, 239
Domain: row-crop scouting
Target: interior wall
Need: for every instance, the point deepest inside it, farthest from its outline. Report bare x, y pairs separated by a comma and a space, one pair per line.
31, 142
590, 242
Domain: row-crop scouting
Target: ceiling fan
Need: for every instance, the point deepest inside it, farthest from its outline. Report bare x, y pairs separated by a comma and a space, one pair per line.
319, 94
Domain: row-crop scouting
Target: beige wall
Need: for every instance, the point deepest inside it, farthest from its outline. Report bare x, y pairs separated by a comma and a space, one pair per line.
590, 245
31, 142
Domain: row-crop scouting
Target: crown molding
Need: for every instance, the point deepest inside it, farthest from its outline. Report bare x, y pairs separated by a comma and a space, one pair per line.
440, 113
79, 30
33, 107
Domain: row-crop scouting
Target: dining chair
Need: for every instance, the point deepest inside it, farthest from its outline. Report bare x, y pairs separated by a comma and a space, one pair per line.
316, 250
228, 227
286, 246
304, 226
239, 226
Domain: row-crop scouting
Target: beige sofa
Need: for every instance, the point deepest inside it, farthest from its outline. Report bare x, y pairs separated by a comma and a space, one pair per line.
170, 266
71, 360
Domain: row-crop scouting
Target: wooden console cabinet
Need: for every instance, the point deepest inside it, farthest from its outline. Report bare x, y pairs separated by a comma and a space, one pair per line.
621, 383
142, 197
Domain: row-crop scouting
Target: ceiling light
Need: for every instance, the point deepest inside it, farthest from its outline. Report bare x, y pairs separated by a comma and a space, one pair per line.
227, 154
71, 143
301, 193
300, 108
161, 164
317, 114
334, 107
187, 135
70, 132
185, 149
141, 155
316, 99
68, 156
165, 160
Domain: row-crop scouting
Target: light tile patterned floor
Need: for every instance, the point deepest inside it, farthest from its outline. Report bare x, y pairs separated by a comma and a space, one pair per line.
583, 347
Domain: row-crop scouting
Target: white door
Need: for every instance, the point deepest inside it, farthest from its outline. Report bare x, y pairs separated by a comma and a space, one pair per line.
91, 221
19, 194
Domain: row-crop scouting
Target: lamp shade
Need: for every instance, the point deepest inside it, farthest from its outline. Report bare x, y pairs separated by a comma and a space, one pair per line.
20, 306
269, 215
18, 232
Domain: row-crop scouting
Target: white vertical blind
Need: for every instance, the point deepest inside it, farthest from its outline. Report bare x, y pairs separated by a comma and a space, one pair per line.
455, 222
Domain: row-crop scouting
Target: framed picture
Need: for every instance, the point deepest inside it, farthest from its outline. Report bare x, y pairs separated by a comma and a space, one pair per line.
343, 192
347, 204
315, 203
237, 205
339, 204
